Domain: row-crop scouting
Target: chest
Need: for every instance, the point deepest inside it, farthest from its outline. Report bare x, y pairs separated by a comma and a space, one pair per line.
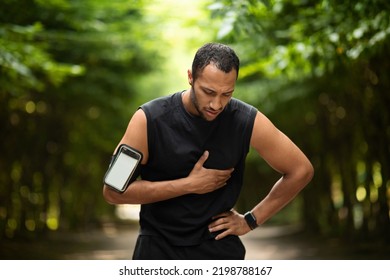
178, 146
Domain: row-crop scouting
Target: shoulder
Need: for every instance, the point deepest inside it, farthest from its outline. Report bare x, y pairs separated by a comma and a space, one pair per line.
242, 110
159, 106
237, 104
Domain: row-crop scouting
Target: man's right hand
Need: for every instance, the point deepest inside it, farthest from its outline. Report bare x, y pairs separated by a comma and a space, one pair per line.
204, 180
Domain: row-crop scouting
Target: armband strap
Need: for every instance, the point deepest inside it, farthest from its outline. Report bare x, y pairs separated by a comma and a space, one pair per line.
112, 160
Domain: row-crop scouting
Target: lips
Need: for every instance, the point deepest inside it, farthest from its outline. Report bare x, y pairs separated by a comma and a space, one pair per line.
212, 113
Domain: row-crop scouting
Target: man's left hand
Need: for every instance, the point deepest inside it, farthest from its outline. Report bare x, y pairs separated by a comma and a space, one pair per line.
231, 223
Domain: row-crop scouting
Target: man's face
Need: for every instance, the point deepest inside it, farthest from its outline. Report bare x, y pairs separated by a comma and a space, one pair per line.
211, 91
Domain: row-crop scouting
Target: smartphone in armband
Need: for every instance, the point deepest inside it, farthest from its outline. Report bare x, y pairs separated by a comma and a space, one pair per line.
124, 168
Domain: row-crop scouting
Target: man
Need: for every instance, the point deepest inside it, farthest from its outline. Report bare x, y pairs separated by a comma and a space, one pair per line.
194, 144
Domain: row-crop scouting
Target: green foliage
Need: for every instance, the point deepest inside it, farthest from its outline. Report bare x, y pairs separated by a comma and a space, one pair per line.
25, 60
67, 88
302, 38
319, 69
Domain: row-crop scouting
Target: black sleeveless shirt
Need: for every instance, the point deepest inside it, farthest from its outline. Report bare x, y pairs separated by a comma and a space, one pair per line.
176, 140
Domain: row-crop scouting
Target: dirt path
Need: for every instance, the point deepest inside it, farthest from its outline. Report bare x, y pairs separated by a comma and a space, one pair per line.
266, 243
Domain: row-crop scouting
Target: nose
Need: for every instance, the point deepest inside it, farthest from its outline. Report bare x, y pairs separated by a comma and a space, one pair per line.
216, 104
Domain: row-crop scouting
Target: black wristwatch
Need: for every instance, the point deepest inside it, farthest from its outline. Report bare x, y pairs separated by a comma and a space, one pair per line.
251, 220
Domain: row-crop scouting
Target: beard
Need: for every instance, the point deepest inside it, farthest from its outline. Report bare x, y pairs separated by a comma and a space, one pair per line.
195, 103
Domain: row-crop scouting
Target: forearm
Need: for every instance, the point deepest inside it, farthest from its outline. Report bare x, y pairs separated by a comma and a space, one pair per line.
283, 192
143, 192
232, 223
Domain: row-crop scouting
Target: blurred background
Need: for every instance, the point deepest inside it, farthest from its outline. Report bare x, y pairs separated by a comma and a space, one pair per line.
73, 72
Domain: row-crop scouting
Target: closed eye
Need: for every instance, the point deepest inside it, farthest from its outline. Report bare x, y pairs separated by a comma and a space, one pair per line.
228, 94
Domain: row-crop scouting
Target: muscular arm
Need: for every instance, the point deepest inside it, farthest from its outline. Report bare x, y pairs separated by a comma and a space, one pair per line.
283, 156
200, 180
286, 158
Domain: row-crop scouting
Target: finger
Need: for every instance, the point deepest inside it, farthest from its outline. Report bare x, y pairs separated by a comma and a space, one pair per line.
219, 221
217, 217
223, 214
218, 226
203, 158
225, 172
223, 234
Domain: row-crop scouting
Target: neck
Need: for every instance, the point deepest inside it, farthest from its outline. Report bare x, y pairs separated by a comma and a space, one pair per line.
187, 102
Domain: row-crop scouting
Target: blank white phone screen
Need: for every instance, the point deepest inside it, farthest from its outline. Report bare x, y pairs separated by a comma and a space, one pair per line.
123, 166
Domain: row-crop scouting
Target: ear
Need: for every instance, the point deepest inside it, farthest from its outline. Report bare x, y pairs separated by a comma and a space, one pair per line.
189, 75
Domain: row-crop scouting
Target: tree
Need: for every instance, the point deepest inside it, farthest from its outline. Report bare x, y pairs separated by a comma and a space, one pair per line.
324, 64
68, 70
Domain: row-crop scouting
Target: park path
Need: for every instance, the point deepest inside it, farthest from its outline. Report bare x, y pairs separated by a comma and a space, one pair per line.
115, 242
263, 243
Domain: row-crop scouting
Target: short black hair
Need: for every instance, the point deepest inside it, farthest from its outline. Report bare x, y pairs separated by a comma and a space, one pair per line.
222, 56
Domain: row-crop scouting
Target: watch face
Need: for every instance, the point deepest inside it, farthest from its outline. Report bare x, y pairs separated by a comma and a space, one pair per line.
251, 220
